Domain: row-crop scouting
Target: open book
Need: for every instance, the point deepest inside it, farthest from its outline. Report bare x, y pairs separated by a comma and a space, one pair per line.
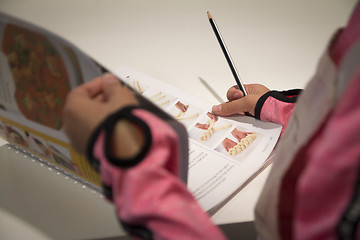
38, 69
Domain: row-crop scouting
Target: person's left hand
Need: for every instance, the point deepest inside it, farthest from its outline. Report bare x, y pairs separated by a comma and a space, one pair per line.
238, 103
89, 104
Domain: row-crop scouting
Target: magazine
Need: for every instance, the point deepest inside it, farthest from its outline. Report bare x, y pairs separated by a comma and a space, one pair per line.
37, 71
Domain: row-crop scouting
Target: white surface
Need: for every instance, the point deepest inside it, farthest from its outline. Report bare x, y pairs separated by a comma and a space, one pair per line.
10, 226
276, 43
2, 142
53, 205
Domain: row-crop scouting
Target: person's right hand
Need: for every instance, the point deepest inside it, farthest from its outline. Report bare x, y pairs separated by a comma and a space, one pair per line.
238, 103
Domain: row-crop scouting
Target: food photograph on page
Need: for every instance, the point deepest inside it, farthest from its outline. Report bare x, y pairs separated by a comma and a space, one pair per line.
62, 157
39, 74
184, 112
209, 129
136, 84
239, 143
160, 98
38, 145
15, 135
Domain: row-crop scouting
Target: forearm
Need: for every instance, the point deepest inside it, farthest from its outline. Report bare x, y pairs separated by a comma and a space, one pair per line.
149, 197
126, 140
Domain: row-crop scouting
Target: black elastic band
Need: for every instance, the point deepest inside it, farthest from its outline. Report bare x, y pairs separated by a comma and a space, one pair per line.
108, 126
109, 130
140, 232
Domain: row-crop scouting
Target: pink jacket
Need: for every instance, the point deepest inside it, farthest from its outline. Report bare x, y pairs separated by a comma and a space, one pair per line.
315, 192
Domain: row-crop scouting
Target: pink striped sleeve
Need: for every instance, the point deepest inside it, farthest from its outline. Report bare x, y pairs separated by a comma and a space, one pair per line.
277, 107
150, 199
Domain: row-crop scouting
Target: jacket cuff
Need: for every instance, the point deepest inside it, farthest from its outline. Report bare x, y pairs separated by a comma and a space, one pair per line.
288, 96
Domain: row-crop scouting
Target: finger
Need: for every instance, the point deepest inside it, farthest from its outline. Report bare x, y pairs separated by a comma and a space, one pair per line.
256, 88
92, 88
234, 93
116, 94
251, 88
110, 85
99, 98
230, 108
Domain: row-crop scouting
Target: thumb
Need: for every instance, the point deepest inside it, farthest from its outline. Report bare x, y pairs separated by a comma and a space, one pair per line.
110, 82
238, 106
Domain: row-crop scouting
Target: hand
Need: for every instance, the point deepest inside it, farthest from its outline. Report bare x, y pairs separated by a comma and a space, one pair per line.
89, 104
238, 103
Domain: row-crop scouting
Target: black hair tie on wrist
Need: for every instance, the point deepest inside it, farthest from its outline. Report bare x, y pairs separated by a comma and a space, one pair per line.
108, 126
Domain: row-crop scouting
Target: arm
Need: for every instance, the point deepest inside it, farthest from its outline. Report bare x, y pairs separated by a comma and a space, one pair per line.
137, 156
150, 199
272, 106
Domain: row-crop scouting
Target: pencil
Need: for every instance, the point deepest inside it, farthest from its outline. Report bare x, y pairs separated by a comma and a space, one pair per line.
227, 54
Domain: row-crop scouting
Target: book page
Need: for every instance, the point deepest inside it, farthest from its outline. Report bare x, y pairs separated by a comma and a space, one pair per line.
223, 152
37, 71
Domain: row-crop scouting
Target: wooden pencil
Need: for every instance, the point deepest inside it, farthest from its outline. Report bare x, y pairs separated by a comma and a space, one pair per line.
227, 54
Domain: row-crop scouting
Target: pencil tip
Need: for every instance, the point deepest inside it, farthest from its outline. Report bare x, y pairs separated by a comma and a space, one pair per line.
209, 15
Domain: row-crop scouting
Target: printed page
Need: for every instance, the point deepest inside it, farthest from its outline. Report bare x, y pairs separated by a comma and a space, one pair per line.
223, 152
37, 71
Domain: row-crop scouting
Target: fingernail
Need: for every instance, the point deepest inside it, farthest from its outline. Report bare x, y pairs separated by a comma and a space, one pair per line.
237, 95
216, 108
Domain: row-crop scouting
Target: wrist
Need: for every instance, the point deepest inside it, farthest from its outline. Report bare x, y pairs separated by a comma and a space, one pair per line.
127, 139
